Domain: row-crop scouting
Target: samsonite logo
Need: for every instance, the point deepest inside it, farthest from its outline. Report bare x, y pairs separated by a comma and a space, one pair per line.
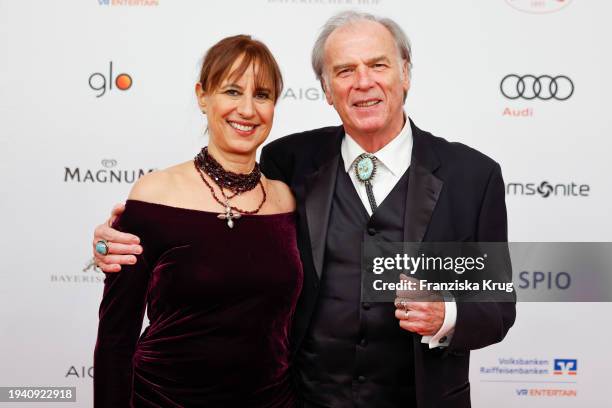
545, 189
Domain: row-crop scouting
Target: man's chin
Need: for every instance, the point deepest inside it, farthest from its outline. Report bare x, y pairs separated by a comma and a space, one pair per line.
369, 127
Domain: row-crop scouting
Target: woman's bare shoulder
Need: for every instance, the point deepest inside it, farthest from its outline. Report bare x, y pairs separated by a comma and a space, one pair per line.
161, 185
282, 196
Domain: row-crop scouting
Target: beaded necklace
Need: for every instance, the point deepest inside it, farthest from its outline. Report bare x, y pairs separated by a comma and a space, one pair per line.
234, 182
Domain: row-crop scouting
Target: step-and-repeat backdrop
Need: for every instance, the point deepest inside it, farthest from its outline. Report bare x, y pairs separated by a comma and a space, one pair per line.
94, 93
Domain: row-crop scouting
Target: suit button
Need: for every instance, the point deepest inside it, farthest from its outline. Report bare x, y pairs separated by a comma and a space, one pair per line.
363, 343
366, 306
371, 231
442, 339
361, 379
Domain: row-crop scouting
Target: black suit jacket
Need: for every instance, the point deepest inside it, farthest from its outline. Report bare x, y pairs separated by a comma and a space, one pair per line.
455, 193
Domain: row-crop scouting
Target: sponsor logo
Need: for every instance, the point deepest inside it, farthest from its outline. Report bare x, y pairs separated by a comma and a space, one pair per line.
565, 366
534, 87
532, 366
79, 372
520, 112
132, 3
546, 392
327, 2
543, 87
532, 370
314, 93
546, 189
538, 6
541, 280
101, 83
108, 173
89, 275
520, 366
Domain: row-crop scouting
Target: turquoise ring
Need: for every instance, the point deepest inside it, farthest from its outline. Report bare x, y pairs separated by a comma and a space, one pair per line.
102, 247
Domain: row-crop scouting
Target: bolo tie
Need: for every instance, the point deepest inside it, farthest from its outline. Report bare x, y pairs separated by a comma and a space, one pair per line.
365, 168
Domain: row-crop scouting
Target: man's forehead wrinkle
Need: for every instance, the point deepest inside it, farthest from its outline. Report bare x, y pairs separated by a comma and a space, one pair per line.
368, 61
344, 46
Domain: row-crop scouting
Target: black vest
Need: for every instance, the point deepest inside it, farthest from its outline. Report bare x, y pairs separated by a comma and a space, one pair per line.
355, 354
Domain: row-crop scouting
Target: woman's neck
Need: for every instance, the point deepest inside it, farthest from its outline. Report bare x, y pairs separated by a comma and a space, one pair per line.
236, 163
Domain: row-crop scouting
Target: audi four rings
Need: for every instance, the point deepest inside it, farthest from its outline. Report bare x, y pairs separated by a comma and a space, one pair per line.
543, 87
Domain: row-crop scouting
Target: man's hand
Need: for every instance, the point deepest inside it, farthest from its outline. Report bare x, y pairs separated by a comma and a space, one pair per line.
419, 311
121, 246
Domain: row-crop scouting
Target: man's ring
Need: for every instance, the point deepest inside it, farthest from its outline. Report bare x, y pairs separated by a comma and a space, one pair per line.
102, 247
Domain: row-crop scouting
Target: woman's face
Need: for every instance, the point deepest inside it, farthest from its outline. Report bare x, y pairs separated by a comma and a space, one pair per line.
239, 113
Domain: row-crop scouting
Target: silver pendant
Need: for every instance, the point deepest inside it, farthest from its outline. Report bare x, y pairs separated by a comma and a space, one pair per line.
229, 215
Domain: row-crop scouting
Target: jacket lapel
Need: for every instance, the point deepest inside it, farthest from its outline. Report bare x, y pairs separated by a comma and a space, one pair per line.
319, 192
423, 192
423, 187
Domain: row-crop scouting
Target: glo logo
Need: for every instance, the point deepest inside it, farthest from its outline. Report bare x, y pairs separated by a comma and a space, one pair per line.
565, 366
101, 83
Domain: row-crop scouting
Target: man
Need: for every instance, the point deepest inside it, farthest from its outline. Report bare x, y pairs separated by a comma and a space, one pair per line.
376, 178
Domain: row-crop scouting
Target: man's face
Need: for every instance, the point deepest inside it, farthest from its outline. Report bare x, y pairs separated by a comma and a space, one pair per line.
365, 79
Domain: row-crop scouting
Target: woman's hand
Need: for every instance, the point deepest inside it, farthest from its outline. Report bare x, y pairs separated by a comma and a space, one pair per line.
122, 247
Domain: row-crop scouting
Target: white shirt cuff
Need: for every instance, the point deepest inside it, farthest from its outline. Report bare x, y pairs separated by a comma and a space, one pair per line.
443, 337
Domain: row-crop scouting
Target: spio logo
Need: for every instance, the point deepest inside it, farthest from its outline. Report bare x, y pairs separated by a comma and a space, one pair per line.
543, 87
538, 6
101, 83
564, 366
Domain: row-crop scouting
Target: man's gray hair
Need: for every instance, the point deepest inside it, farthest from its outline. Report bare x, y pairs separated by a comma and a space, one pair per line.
348, 17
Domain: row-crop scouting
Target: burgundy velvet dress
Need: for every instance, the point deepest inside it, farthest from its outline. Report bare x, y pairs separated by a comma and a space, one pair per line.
219, 303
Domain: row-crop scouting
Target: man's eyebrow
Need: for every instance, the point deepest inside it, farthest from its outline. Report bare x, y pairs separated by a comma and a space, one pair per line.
340, 67
371, 61
374, 60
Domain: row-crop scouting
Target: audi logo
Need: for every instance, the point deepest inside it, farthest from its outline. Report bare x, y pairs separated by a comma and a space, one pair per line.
108, 163
543, 87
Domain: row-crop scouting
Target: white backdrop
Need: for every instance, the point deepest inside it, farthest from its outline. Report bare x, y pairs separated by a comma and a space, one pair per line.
60, 143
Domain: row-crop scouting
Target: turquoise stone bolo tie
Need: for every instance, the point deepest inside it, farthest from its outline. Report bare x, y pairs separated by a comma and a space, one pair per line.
365, 168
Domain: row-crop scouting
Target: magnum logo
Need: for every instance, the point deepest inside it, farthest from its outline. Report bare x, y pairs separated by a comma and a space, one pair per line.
108, 173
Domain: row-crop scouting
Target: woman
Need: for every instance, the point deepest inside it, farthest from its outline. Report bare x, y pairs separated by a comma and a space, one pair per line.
220, 271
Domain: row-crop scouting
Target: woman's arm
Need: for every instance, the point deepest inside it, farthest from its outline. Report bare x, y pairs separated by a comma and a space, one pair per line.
123, 304
121, 314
